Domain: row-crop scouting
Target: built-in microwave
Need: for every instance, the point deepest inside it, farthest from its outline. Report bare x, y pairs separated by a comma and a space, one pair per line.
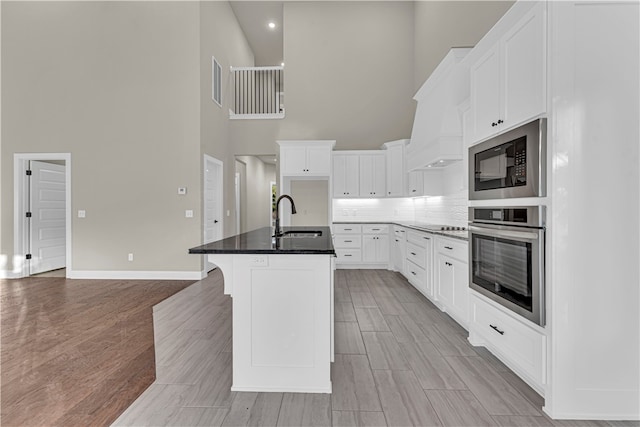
512, 164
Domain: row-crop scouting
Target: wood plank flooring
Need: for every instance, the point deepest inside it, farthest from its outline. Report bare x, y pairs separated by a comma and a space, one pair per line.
399, 361
76, 352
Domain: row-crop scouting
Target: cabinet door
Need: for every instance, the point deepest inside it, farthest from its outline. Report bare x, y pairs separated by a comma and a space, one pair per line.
523, 56
366, 175
318, 160
382, 249
460, 289
369, 248
352, 175
339, 175
445, 276
379, 175
395, 171
416, 181
293, 160
485, 95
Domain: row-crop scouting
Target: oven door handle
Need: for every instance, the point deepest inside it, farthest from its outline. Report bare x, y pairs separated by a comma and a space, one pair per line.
513, 234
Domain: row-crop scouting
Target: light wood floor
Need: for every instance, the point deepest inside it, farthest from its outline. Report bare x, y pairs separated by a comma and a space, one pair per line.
399, 362
76, 352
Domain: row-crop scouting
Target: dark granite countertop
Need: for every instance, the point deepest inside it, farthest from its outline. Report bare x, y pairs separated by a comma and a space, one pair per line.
260, 241
461, 235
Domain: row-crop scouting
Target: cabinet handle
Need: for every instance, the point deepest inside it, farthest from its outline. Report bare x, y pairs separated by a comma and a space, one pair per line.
397, 240
389, 192
426, 238
448, 247
348, 241
347, 254
500, 121
348, 229
375, 229
402, 231
494, 124
495, 328
448, 263
413, 191
413, 253
414, 273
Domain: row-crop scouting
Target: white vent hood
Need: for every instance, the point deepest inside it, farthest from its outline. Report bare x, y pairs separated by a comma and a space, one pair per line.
436, 138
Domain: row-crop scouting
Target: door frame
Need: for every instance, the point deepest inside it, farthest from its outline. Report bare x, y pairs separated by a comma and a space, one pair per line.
21, 204
219, 196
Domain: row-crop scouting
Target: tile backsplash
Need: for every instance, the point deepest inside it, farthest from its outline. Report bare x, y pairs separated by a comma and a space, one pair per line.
451, 209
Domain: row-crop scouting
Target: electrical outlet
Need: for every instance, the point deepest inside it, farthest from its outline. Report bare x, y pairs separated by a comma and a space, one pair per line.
82, 214
188, 213
130, 257
259, 261
182, 191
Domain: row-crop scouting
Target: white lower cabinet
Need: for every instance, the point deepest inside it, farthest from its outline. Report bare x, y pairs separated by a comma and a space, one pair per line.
452, 278
398, 249
361, 245
419, 261
520, 344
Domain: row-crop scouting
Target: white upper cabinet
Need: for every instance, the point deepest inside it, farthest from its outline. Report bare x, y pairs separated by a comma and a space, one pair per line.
508, 75
305, 158
396, 176
416, 184
346, 175
373, 174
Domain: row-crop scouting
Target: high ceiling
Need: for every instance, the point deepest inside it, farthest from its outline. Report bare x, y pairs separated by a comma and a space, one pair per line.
254, 18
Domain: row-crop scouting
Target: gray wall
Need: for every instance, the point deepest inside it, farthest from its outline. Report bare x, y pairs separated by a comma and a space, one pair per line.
256, 208
116, 84
221, 36
441, 25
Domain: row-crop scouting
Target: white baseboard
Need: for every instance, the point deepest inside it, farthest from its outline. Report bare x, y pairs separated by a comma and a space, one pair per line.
8, 274
136, 275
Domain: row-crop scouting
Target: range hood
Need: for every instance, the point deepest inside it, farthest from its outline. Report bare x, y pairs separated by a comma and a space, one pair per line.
436, 138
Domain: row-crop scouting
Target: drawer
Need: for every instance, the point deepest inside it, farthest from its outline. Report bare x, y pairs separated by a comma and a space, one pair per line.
416, 276
347, 228
518, 343
417, 255
347, 241
346, 256
400, 232
418, 238
453, 248
375, 229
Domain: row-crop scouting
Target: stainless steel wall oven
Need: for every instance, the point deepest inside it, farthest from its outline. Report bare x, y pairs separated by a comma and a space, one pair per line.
512, 164
506, 254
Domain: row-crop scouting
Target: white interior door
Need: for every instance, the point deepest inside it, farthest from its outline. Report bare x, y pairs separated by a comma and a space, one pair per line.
47, 230
213, 205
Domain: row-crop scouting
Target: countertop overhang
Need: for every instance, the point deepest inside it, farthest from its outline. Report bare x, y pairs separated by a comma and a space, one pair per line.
261, 241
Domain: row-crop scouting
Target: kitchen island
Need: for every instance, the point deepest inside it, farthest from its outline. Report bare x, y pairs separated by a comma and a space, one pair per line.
282, 293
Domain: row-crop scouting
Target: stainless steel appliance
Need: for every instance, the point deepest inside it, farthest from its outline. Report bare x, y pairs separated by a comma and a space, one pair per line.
512, 164
507, 257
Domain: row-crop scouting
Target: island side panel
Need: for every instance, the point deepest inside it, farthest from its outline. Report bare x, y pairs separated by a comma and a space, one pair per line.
225, 263
282, 323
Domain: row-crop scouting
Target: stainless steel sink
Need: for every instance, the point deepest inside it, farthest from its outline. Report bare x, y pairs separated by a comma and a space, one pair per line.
292, 234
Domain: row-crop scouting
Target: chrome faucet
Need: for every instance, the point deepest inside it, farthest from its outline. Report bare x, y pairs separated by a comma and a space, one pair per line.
277, 232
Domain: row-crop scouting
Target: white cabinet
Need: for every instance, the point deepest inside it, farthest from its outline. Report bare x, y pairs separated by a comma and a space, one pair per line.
305, 158
416, 184
395, 167
518, 343
346, 176
361, 245
508, 78
452, 277
372, 174
375, 244
398, 249
419, 261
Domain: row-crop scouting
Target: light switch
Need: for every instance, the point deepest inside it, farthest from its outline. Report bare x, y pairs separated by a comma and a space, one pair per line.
82, 214
259, 261
182, 191
188, 213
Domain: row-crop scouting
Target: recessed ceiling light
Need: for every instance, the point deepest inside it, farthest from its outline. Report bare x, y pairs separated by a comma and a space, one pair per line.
272, 25
282, 64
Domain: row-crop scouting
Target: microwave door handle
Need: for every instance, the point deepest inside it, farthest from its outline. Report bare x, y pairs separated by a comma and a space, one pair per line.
521, 235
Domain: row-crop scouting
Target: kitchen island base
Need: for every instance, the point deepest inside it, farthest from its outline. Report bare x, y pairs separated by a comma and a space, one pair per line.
282, 321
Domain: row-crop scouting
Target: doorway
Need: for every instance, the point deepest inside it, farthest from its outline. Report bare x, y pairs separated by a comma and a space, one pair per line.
213, 203
42, 213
